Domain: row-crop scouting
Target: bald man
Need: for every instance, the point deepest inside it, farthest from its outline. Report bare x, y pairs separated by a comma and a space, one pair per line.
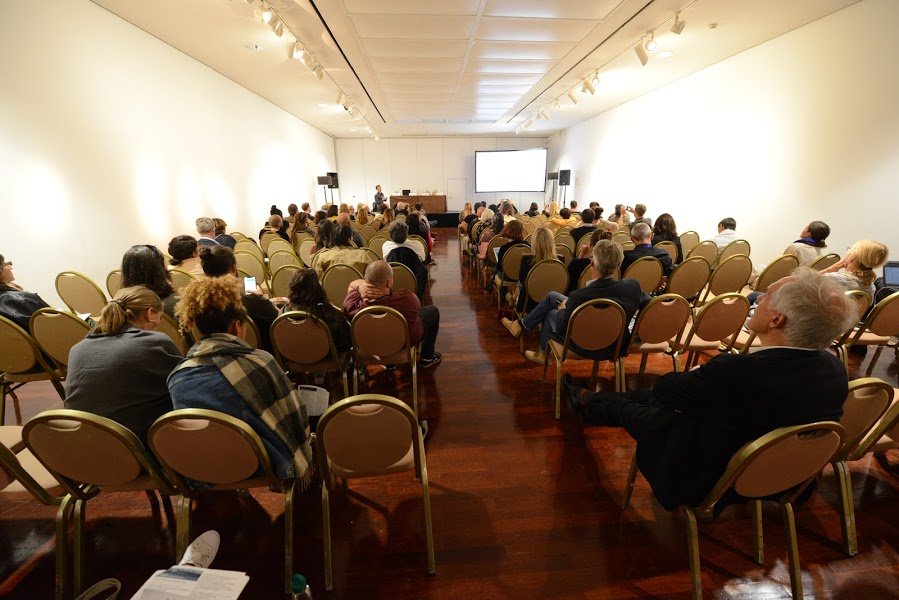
376, 290
344, 220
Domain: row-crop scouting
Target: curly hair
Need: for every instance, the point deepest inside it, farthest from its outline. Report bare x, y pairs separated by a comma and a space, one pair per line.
211, 305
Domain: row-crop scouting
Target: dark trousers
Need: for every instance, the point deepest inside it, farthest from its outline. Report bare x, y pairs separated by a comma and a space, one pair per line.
430, 321
636, 411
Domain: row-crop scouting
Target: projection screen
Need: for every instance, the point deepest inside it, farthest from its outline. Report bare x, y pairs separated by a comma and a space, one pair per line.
510, 170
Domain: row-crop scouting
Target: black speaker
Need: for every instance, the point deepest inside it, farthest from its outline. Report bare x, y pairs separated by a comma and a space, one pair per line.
324, 180
564, 177
333, 185
553, 175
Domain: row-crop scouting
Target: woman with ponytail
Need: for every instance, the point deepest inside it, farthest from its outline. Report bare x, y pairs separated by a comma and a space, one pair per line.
119, 370
856, 270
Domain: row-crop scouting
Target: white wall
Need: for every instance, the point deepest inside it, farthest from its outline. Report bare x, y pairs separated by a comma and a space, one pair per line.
802, 127
420, 164
109, 137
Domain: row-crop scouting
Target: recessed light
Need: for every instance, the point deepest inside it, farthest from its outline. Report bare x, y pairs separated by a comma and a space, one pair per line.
255, 47
664, 54
323, 105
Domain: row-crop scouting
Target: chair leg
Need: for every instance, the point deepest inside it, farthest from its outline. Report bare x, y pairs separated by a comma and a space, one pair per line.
619, 376
847, 508
15, 405
3, 390
873, 361
356, 368
346, 387
643, 358
558, 387
182, 527
594, 376
792, 551
326, 535
288, 534
426, 499
57, 384
675, 362
631, 479
415, 385
63, 515
78, 544
693, 553
758, 540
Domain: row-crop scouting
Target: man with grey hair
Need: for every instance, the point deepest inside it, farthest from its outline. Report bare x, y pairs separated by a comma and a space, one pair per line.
690, 424
641, 235
556, 309
206, 231
399, 238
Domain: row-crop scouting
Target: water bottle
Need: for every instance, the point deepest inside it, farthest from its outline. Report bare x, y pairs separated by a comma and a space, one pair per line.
299, 590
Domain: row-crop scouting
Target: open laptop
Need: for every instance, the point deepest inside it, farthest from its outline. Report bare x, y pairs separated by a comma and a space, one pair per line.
891, 273
407, 192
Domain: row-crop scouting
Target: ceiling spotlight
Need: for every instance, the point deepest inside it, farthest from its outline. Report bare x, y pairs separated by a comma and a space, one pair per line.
572, 96
352, 111
557, 105
543, 114
340, 97
641, 53
296, 51
596, 77
588, 87
278, 27
266, 14
650, 44
318, 72
679, 24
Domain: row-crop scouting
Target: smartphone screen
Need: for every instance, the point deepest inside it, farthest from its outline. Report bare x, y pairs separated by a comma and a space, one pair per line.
249, 285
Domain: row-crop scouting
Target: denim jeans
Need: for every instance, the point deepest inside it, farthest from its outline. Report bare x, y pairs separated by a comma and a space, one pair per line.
546, 312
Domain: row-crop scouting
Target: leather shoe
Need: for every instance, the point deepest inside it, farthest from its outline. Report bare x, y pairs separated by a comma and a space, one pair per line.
577, 395
535, 356
514, 327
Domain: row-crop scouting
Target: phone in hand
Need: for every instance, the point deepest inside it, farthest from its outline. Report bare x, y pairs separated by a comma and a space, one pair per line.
249, 285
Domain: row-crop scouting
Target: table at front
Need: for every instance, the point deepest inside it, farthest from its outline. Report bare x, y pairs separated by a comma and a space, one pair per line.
432, 204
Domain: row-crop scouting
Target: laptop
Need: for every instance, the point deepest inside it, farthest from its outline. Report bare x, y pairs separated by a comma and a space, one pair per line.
891, 273
406, 192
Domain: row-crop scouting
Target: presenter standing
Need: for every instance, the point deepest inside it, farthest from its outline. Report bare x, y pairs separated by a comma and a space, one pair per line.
378, 206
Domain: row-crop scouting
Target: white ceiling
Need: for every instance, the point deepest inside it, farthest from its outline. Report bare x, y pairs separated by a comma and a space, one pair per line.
460, 67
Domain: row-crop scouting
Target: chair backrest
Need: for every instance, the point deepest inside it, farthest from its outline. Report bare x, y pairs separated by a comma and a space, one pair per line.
376, 245
114, 282
585, 276
403, 278
688, 278
495, 242
565, 252
248, 245
380, 331
582, 243
720, 319
305, 251
266, 239
884, 317
238, 236
279, 245
595, 325
861, 301
647, 270
56, 332
249, 263
776, 270
670, 248
544, 277
300, 339
80, 293
367, 435
827, 260
563, 238
251, 333
168, 326
19, 352
424, 244
778, 462
371, 255
730, 275
706, 249
208, 446
281, 280
336, 281
688, 241
282, 258
82, 449
734, 248
662, 319
867, 401
511, 266
529, 227
180, 279
368, 232
622, 237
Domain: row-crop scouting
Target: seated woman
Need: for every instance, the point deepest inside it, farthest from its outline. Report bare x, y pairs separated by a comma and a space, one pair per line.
144, 265
362, 215
300, 225
308, 295
220, 233
416, 227
542, 248
810, 244
119, 370
533, 211
563, 219
221, 372
324, 235
856, 270
387, 217
183, 250
16, 304
582, 260
466, 211
488, 233
665, 230
320, 216
341, 252
514, 230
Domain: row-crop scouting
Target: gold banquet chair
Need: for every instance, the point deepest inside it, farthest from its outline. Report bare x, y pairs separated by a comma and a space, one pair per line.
336, 282
302, 343
80, 293
647, 271
216, 448
593, 326
861, 301
546, 276
114, 282
56, 332
779, 268
180, 279
824, 261
21, 362
734, 248
714, 324
281, 279
688, 241
90, 455
509, 270
403, 278
689, 278
729, 276
705, 249
880, 328
365, 436
283, 258
659, 324
670, 248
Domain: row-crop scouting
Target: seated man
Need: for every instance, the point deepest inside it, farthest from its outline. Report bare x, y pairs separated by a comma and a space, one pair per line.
584, 259
206, 231
639, 212
641, 235
275, 224
555, 309
690, 424
586, 227
401, 249
375, 290
727, 233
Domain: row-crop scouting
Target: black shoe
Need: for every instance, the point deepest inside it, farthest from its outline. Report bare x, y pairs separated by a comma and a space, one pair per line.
426, 363
577, 395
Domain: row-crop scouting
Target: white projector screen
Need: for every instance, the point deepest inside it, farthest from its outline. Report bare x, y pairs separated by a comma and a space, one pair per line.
510, 170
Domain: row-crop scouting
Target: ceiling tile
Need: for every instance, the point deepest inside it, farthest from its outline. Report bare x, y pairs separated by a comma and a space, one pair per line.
413, 7
557, 9
418, 48
501, 78
416, 78
453, 65
509, 66
413, 26
533, 30
520, 50
495, 89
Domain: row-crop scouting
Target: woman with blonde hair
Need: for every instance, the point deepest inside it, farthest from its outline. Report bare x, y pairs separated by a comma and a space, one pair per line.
119, 370
856, 270
221, 372
542, 248
466, 211
362, 214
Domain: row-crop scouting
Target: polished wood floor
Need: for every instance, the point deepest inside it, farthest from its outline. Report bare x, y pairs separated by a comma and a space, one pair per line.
524, 506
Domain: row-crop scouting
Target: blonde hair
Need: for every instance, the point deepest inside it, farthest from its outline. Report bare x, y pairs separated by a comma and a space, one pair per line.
210, 304
362, 214
542, 245
607, 257
553, 209
869, 255
125, 306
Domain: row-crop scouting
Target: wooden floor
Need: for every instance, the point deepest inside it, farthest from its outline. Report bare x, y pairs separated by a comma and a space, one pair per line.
524, 506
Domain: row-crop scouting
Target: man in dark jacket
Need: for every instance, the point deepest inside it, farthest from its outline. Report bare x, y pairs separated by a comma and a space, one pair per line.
641, 235
690, 424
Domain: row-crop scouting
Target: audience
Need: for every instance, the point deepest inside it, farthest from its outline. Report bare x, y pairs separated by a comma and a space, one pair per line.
324, 235
341, 252
563, 219
855, 271
387, 217
639, 212
690, 424
621, 218
399, 238
119, 370
375, 290
584, 259
641, 235
417, 228
332, 212
308, 295
16, 304
144, 265
320, 216
555, 309
810, 243
275, 225
542, 248
183, 250
343, 220
514, 231
727, 233
533, 211
466, 212
487, 234
585, 228
362, 215
306, 209
291, 213
220, 236
485, 218
206, 231
221, 372
665, 230
300, 225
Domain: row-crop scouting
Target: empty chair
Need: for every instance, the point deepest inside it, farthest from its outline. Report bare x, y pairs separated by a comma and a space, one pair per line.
689, 278
302, 343
706, 249
861, 301
730, 276
279, 245
509, 270
715, 324
622, 237
250, 264
249, 246
336, 282
305, 252
114, 282
880, 328
365, 436
281, 279
565, 252
56, 332
688, 241
80, 293
734, 248
21, 362
777, 269
563, 238
647, 271
266, 239
659, 323
282, 258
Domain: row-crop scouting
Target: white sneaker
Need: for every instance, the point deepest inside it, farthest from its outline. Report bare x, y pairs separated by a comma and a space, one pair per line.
202, 550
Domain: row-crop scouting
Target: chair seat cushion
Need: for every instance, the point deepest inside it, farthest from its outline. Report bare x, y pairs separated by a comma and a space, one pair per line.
648, 348
16, 491
406, 463
11, 437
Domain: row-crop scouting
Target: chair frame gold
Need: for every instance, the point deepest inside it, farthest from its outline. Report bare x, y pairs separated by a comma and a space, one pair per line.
684, 269
670, 248
713, 287
174, 332
855, 337
280, 245
330, 273
304, 252
279, 287
775, 271
700, 251
10, 381
180, 279
824, 261
693, 355
328, 479
676, 329
398, 267
688, 241
504, 279
110, 277
649, 284
291, 258
330, 359
530, 283
91, 284
39, 315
